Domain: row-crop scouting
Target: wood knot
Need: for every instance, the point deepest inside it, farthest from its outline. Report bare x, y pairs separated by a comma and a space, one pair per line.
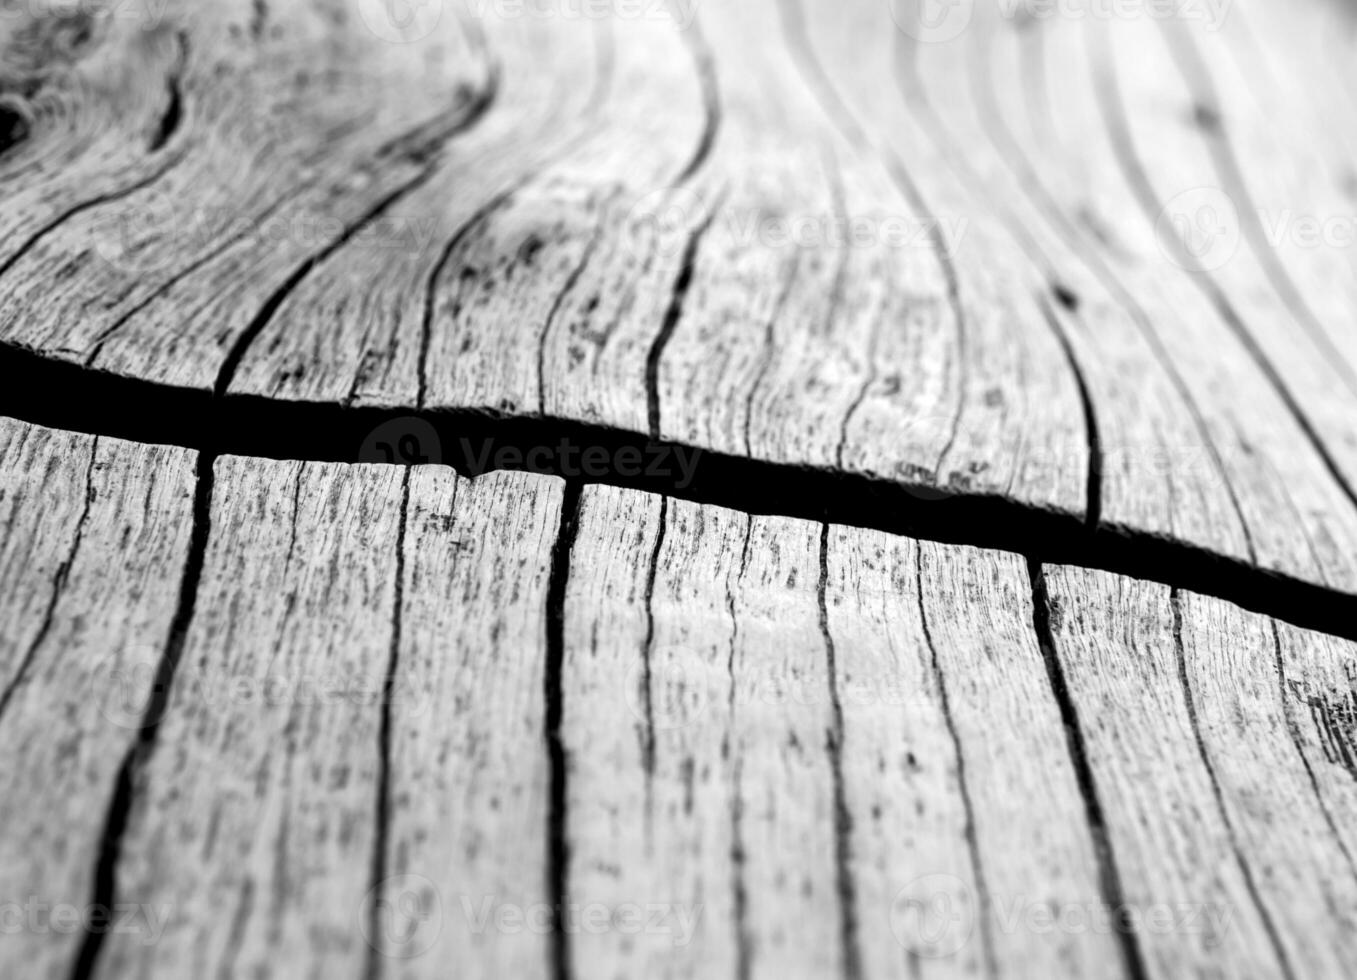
14, 127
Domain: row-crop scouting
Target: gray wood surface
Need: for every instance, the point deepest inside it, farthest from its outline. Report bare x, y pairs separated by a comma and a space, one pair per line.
619, 734
790, 231
270, 715
95, 538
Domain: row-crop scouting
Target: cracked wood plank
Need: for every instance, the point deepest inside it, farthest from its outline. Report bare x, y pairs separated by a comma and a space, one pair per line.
1224, 809
469, 798
94, 535
773, 734
253, 820
603, 220
970, 756
1179, 452
321, 764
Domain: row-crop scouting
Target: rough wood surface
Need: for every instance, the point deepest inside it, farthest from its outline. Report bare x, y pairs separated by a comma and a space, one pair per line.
1074, 280
614, 733
259, 800
1222, 818
822, 235
95, 538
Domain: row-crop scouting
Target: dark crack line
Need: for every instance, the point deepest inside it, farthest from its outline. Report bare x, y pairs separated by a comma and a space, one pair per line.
568, 287
744, 942
843, 819
1094, 493
1109, 876
227, 372
678, 298
647, 652
138, 757
963, 786
1245, 869
174, 104
558, 843
711, 102
58, 587
470, 439
436, 273
386, 741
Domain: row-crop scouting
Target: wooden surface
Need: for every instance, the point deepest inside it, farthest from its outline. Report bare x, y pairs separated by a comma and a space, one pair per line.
639, 221
272, 710
782, 747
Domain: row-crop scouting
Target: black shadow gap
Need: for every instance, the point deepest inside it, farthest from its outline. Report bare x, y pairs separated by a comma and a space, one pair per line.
63, 395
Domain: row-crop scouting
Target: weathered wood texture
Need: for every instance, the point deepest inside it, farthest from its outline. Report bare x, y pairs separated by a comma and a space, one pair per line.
416, 720
293, 718
1062, 259
361, 689
94, 534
